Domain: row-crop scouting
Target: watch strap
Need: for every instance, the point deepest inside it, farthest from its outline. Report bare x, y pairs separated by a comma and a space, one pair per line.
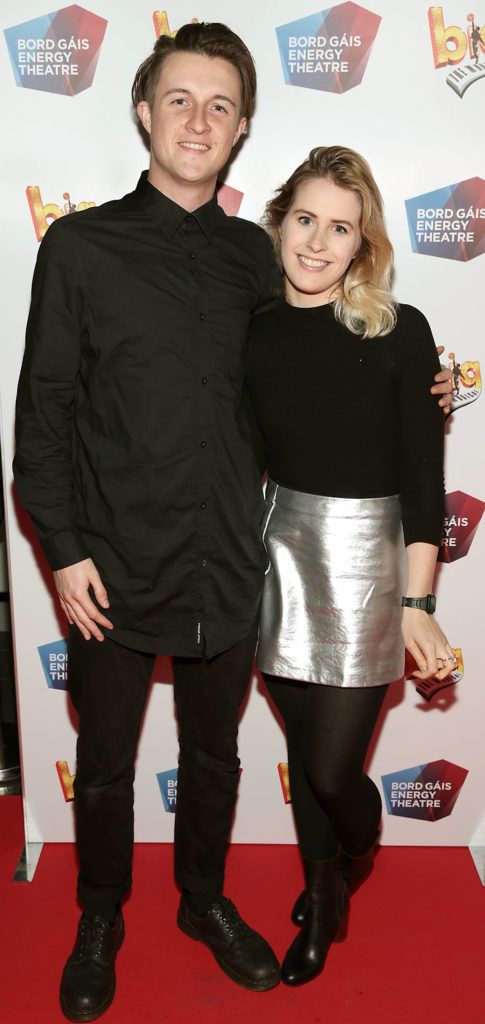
425, 604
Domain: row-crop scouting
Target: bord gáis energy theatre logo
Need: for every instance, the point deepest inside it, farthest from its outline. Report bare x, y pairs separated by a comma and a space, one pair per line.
328, 50
167, 782
54, 659
450, 221
428, 791
459, 47
463, 513
57, 52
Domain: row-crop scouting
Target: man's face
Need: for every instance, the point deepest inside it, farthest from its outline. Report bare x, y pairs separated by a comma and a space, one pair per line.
194, 121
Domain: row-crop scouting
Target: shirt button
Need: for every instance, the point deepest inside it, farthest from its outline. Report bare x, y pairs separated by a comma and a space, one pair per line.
203, 504
192, 255
204, 380
202, 316
203, 444
204, 562
189, 218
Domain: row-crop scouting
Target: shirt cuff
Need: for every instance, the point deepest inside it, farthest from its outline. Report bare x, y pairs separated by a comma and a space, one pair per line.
64, 548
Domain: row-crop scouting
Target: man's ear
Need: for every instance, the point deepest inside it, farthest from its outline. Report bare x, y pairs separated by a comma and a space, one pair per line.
240, 129
145, 115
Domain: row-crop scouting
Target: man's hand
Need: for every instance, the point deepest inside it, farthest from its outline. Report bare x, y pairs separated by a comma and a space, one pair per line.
444, 385
72, 585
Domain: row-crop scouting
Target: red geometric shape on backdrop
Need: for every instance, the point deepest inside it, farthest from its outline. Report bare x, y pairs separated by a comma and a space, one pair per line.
463, 515
229, 199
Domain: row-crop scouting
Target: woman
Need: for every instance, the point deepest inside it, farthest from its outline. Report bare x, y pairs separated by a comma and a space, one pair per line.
338, 382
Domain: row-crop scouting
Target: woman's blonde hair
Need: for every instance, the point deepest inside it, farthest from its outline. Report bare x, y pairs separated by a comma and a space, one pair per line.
364, 303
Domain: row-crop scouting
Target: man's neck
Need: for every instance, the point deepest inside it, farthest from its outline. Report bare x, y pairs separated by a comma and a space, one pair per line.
189, 197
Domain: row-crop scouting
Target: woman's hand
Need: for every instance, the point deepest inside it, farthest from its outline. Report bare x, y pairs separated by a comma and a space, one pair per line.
427, 644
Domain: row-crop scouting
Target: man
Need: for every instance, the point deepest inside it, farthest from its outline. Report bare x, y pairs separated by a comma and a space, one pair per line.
133, 465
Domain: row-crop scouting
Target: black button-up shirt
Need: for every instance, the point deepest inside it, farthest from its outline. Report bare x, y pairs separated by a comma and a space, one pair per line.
130, 444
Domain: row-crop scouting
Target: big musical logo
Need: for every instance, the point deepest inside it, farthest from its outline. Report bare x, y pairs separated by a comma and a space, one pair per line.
428, 791
467, 380
459, 48
57, 52
167, 782
54, 662
428, 688
43, 214
462, 519
162, 26
328, 50
66, 779
449, 222
284, 781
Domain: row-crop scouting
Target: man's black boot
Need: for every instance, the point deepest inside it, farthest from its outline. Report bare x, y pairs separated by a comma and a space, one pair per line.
88, 981
241, 953
324, 922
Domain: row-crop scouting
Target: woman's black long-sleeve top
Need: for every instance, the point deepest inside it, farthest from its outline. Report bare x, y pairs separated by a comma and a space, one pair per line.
346, 416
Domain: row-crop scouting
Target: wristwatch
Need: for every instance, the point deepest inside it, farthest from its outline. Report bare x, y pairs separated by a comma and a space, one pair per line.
425, 604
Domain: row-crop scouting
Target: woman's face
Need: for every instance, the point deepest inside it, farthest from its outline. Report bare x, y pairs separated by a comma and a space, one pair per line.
320, 235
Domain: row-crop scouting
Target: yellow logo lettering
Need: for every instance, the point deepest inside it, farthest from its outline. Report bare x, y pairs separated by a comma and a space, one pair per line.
66, 780
285, 781
162, 27
449, 44
43, 214
470, 375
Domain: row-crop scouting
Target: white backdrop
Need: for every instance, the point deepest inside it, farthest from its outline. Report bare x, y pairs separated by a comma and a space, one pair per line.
420, 137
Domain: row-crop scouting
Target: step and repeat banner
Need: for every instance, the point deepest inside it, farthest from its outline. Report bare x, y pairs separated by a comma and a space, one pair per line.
404, 84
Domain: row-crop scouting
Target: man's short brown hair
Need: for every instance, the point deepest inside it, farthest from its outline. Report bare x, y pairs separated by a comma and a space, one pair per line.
209, 40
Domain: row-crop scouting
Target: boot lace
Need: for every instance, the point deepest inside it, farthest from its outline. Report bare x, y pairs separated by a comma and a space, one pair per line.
91, 936
230, 918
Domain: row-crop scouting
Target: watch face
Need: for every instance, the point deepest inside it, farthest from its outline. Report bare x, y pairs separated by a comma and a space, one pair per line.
431, 600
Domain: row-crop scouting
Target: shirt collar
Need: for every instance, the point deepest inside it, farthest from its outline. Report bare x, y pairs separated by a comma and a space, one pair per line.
169, 215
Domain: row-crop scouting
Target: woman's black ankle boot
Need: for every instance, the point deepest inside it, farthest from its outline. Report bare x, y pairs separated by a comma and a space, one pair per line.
298, 912
324, 921
355, 870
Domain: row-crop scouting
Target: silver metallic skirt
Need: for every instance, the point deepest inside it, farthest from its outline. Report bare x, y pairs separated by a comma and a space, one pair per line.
331, 607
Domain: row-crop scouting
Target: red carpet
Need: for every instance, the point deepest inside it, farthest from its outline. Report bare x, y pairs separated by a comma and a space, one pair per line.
414, 954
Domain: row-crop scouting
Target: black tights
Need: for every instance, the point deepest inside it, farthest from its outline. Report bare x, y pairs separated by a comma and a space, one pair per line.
328, 729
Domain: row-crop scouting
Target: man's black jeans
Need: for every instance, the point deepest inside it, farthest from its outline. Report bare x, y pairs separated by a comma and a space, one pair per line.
108, 686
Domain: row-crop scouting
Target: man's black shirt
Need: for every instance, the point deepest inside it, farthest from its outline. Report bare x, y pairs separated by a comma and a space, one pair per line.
130, 445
